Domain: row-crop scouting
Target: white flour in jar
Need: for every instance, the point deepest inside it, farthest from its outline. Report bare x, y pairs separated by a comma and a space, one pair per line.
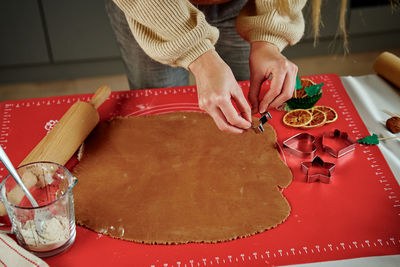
54, 234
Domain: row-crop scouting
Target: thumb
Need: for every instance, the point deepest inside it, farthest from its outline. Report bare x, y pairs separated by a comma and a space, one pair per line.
254, 92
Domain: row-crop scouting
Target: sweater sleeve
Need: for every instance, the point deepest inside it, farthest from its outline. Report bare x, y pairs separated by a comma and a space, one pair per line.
172, 32
262, 20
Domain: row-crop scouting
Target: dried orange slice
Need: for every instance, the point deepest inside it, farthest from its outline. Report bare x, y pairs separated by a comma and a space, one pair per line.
318, 118
301, 93
331, 114
306, 82
297, 118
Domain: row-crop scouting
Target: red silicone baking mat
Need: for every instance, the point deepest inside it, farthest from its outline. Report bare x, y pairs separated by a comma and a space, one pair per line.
356, 215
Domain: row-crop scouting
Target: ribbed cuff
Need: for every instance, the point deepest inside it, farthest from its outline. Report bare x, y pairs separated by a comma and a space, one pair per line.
186, 59
257, 35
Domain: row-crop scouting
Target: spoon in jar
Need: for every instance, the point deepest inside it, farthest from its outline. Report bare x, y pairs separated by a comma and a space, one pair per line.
13, 172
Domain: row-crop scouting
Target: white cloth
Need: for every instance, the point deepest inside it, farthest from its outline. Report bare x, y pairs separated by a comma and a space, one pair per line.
371, 95
13, 255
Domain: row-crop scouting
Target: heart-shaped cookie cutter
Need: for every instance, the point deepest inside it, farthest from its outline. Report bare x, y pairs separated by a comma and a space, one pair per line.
302, 145
337, 143
325, 170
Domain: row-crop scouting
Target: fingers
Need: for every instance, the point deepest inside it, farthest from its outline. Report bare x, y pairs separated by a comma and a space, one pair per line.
232, 115
287, 90
254, 91
242, 104
277, 81
282, 87
222, 123
225, 115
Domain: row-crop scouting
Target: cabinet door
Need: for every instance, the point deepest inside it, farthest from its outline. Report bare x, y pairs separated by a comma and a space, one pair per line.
374, 28
79, 30
22, 36
374, 19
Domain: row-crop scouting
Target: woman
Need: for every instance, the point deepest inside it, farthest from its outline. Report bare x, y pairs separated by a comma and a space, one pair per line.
220, 42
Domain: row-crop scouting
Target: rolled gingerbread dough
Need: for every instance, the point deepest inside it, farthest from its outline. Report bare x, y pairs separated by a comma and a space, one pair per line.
175, 178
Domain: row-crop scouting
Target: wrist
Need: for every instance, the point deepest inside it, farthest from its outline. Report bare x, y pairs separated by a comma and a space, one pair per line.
265, 44
204, 62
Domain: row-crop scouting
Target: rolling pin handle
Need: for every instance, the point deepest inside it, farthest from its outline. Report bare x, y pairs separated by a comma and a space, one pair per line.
100, 96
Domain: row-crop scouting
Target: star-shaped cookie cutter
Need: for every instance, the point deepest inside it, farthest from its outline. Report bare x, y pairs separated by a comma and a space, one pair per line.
301, 144
337, 143
318, 171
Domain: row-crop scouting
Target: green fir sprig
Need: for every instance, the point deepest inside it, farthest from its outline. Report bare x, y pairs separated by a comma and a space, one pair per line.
369, 140
298, 83
314, 89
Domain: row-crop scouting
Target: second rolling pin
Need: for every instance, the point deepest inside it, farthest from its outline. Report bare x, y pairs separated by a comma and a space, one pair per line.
388, 66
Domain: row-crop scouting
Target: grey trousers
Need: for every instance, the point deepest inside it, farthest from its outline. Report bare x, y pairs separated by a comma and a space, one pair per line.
144, 72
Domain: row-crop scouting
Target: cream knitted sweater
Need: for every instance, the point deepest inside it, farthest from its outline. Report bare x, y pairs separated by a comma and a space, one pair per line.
175, 32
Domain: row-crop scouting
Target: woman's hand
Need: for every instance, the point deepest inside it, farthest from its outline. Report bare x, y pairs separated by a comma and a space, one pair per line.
266, 59
217, 88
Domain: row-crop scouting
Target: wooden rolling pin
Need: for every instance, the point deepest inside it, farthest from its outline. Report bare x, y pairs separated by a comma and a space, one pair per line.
60, 144
388, 66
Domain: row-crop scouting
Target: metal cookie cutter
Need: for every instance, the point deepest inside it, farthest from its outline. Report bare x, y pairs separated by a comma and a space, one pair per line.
266, 116
302, 145
318, 171
337, 143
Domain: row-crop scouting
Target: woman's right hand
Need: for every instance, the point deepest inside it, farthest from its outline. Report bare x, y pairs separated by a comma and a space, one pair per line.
266, 59
217, 88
